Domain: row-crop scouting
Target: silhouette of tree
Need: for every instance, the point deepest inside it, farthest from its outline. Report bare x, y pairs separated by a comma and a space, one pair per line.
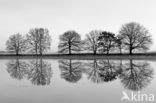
91, 42
136, 75
16, 44
70, 71
135, 37
39, 72
17, 69
39, 40
106, 41
69, 41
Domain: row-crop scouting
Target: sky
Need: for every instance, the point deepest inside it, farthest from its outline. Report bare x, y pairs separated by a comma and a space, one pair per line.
19, 16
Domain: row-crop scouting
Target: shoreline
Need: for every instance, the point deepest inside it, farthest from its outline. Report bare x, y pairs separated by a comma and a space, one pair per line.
81, 56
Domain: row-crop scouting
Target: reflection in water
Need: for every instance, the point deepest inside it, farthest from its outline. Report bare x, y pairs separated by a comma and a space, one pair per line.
109, 70
70, 71
38, 71
102, 71
93, 71
17, 69
136, 75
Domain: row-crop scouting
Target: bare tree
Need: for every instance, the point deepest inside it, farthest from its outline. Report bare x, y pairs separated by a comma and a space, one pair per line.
69, 41
135, 37
16, 44
106, 41
39, 40
91, 42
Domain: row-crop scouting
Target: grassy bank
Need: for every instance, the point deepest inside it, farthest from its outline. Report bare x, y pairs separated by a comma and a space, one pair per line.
147, 56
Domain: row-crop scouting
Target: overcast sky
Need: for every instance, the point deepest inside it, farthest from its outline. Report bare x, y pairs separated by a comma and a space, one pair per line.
80, 15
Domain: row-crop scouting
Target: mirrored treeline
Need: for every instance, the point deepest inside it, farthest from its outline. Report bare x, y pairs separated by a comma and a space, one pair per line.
133, 74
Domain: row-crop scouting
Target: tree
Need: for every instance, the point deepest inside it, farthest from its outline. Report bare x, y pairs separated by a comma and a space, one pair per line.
135, 37
16, 44
106, 41
91, 42
39, 40
69, 41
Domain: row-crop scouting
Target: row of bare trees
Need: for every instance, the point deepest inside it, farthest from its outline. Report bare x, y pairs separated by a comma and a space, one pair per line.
37, 41
132, 37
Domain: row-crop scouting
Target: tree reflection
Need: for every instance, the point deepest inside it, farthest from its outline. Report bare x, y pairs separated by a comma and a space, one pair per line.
17, 68
109, 70
70, 71
39, 72
93, 71
102, 71
136, 75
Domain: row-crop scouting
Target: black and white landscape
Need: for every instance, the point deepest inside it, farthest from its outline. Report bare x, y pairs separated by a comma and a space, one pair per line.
77, 51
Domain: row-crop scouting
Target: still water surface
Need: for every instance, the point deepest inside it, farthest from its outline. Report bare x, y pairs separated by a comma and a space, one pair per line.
74, 81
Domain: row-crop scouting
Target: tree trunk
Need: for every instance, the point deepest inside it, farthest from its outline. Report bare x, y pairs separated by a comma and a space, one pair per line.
94, 52
131, 65
121, 64
40, 44
130, 46
95, 64
18, 48
40, 49
107, 51
69, 48
17, 52
120, 50
41, 66
130, 50
36, 48
70, 66
17, 63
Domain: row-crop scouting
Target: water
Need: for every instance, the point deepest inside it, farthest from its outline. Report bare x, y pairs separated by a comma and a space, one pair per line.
74, 81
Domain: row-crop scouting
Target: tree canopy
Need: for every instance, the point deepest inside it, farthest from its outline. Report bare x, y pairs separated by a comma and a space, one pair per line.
91, 41
39, 40
106, 41
132, 37
16, 44
135, 37
69, 41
